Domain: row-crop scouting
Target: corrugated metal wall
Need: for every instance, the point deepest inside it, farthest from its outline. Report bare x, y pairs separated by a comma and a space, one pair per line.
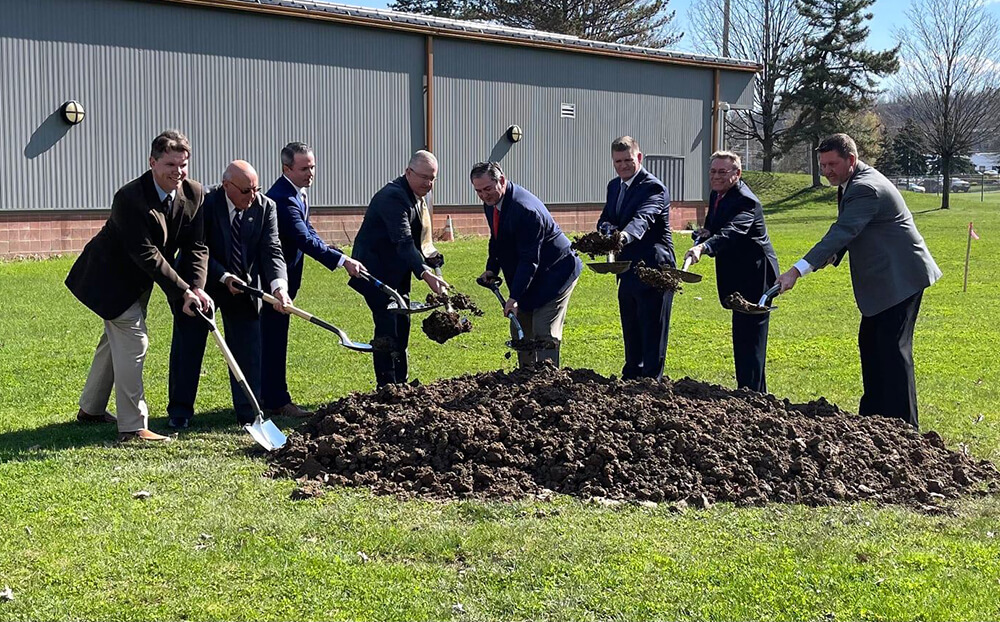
482, 89
240, 86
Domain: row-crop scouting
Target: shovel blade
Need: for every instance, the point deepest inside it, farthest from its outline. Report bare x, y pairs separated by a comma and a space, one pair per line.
266, 433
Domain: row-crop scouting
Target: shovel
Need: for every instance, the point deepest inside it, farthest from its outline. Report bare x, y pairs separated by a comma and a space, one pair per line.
344, 339
262, 430
764, 305
494, 286
683, 274
610, 266
397, 303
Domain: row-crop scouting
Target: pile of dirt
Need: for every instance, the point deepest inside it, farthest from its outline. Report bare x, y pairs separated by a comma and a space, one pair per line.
457, 300
596, 243
440, 326
737, 302
657, 278
509, 435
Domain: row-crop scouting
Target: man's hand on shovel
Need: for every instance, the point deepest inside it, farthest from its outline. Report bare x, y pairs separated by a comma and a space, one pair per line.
436, 283
197, 299
231, 282
283, 304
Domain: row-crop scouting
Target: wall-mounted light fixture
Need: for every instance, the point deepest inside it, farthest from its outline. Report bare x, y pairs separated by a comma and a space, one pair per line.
514, 133
72, 112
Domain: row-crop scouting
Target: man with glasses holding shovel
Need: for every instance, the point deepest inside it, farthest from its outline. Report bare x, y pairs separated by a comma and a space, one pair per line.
241, 230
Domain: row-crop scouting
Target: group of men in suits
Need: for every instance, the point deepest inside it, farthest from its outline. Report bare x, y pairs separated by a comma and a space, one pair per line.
202, 249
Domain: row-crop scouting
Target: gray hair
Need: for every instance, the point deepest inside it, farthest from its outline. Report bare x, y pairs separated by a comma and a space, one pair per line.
422, 157
291, 150
169, 141
728, 155
490, 169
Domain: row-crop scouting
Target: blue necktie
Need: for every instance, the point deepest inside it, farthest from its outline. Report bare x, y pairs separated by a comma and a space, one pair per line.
236, 253
621, 199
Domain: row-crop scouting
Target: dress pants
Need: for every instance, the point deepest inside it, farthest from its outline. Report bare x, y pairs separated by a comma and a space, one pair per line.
645, 317
750, 350
546, 322
885, 342
187, 350
390, 367
274, 355
118, 362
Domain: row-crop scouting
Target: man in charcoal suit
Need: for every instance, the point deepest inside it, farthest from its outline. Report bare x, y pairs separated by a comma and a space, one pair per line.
891, 267
241, 230
637, 210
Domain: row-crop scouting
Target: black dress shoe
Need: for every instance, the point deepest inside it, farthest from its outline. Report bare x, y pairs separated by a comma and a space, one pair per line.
178, 423
85, 417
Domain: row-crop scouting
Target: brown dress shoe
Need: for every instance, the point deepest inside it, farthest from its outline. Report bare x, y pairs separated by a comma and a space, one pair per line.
291, 409
85, 417
143, 435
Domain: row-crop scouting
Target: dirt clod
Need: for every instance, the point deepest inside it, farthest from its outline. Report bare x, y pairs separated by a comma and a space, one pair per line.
657, 278
683, 443
596, 243
737, 302
458, 301
440, 326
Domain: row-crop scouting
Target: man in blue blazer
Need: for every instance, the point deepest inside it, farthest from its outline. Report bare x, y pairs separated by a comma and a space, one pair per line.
534, 255
394, 241
638, 210
298, 239
745, 261
241, 230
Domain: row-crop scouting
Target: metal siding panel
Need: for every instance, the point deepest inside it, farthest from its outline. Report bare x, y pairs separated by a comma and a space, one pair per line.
481, 89
239, 85
737, 89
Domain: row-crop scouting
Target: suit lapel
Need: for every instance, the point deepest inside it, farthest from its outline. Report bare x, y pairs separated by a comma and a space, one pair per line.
153, 202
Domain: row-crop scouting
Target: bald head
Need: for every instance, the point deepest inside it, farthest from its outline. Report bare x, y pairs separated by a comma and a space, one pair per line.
240, 182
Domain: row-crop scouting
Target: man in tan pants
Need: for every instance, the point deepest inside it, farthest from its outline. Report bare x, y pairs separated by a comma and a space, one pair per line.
534, 255
151, 218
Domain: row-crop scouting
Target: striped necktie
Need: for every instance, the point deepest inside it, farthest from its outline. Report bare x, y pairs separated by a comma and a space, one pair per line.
236, 252
621, 199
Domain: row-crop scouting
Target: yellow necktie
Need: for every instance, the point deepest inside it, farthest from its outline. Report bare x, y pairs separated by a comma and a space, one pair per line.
426, 231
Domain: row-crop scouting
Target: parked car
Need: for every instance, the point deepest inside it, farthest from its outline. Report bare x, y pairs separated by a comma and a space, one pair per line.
960, 185
914, 187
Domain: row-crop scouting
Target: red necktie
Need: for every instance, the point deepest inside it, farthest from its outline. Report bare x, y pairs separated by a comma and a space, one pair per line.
496, 222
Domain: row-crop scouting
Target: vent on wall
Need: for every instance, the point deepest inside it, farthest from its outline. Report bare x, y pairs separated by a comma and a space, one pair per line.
567, 111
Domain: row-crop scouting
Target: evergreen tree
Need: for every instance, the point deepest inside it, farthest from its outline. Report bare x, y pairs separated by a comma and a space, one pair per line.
886, 162
836, 71
909, 150
454, 9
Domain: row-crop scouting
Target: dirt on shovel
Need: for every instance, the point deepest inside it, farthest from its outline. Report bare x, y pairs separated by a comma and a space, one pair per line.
457, 300
596, 243
658, 279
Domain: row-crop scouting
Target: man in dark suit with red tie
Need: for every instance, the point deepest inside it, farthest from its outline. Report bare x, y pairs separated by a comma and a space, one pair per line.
637, 210
745, 261
534, 255
152, 217
241, 230
298, 239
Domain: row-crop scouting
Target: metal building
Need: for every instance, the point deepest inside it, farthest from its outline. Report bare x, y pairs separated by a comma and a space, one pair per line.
364, 87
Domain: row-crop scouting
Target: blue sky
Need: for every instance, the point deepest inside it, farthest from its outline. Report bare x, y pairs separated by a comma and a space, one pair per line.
888, 15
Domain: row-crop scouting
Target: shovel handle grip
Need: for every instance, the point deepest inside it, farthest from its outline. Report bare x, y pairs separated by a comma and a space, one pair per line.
765, 300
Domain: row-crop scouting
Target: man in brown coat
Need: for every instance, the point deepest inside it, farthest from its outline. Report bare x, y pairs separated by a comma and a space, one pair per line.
151, 218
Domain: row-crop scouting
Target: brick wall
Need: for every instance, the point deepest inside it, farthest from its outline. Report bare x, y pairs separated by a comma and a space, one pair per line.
50, 233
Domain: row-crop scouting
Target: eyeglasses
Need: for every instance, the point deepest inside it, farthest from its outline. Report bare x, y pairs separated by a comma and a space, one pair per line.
245, 191
427, 178
721, 171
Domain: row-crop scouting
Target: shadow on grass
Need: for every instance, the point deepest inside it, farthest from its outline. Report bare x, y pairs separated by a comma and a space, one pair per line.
35, 443
928, 211
800, 198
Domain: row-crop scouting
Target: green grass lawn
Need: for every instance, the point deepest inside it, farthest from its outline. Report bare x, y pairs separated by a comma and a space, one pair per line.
217, 540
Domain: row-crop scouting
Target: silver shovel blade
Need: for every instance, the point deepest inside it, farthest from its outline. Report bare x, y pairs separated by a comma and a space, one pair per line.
266, 433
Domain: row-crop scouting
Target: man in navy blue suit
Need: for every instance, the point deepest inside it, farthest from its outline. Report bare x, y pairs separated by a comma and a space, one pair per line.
298, 239
534, 255
395, 241
241, 230
638, 211
745, 261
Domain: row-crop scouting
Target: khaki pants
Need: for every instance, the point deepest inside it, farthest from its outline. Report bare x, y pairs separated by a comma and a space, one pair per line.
118, 362
545, 322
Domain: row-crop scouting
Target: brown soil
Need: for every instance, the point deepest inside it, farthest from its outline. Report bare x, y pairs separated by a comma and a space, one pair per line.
441, 326
458, 301
509, 435
737, 302
657, 278
596, 243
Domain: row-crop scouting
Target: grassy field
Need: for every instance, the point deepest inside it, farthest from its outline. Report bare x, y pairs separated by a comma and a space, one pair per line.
217, 540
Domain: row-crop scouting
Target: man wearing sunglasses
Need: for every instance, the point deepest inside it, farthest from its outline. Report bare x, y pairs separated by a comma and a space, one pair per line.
241, 230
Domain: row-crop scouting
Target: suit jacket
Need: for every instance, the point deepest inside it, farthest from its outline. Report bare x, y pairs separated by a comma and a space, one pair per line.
136, 247
298, 238
889, 260
388, 242
531, 250
745, 260
645, 217
262, 256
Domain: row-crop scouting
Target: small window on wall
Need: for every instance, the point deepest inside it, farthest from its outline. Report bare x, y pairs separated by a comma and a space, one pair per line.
567, 111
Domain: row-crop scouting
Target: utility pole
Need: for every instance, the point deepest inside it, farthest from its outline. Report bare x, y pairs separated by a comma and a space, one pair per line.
725, 30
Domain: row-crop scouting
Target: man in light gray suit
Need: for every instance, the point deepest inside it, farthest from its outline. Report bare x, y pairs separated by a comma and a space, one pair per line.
890, 268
